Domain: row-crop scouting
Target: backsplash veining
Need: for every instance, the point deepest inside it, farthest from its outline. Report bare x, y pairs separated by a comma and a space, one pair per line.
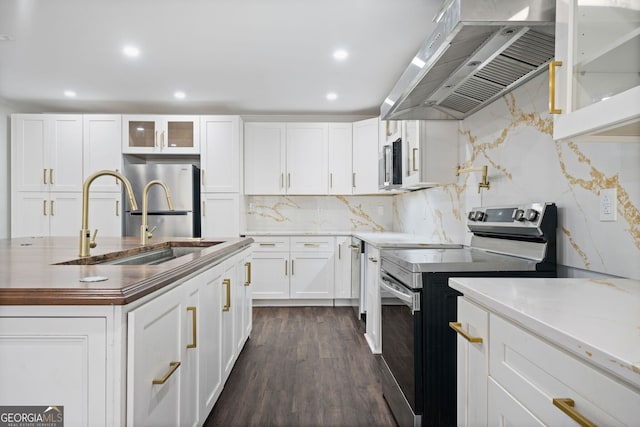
513, 136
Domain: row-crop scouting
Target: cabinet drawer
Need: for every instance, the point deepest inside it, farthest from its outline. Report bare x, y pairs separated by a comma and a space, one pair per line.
271, 243
535, 372
315, 244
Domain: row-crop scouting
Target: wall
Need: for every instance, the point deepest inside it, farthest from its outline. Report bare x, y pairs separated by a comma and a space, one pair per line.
319, 213
5, 169
513, 136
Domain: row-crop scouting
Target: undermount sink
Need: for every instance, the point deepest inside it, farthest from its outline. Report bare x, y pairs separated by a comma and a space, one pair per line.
144, 255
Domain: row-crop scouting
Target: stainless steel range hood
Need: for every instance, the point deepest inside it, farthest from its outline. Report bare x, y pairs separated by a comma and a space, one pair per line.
479, 50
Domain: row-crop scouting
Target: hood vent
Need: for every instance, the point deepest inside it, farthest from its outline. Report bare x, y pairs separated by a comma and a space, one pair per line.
467, 64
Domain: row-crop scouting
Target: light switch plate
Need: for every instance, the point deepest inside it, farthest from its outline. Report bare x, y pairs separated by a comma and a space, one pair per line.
608, 204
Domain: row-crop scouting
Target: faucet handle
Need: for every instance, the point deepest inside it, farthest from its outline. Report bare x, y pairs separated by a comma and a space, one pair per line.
150, 232
92, 242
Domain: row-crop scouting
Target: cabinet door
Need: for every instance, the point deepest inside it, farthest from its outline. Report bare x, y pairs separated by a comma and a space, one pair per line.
372, 300
220, 215
209, 339
191, 342
64, 146
105, 210
307, 158
505, 410
29, 164
30, 214
65, 214
311, 275
154, 356
365, 156
472, 365
340, 158
102, 144
342, 256
180, 135
238, 303
264, 158
220, 153
270, 275
140, 134
247, 317
411, 152
65, 357
228, 345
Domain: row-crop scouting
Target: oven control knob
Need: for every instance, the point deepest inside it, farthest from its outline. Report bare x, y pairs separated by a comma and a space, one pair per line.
518, 215
471, 216
479, 216
531, 214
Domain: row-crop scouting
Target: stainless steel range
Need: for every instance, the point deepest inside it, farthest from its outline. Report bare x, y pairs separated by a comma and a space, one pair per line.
418, 348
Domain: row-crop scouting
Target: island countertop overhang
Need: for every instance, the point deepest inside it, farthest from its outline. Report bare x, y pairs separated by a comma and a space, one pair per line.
29, 274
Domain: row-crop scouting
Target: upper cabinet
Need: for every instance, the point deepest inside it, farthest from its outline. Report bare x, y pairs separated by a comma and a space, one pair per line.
286, 158
340, 158
148, 134
595, 78
429, 153
365, 156
47, 152
102, 149
220, 153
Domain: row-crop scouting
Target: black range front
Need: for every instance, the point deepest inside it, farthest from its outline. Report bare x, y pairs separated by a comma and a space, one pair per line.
420, 388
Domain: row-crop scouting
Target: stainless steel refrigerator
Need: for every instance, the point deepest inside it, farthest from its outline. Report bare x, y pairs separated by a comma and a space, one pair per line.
183, 181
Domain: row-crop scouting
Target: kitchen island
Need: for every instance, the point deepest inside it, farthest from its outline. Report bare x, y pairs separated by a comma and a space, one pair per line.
538, 351
132, 345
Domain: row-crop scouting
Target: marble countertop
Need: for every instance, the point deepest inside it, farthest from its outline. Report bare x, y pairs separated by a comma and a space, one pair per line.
380, 239
597, 320
30, 274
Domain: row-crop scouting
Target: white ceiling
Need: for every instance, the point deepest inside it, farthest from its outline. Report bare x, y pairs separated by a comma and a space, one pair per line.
228, 56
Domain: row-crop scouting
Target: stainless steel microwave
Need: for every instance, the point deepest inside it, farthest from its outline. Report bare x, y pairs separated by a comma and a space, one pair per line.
390, 166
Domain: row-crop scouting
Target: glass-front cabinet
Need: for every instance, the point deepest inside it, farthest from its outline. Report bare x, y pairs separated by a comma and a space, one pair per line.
149, 134
595, 78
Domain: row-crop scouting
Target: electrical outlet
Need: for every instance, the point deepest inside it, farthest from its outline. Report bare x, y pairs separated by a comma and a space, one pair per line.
608, 204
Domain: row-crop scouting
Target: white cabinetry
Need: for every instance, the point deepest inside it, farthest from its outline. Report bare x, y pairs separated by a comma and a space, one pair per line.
598, 80
264, 158
342, 279
46, 214
340, 158
293, 268
365, 156
307, 158
102, 149
373, 334
220, 215
149, 134
220, 153
67, 360
227, 345
429, 153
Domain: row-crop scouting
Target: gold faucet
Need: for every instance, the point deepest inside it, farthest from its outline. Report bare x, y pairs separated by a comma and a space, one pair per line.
484, 183
86, 241
145, 234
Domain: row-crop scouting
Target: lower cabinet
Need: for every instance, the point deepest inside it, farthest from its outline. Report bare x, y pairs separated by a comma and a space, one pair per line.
373, 334
293, 268
342, 270
220, 215
531, 381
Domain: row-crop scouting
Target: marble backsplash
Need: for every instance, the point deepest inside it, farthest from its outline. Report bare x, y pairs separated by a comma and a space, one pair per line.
513, 136
319, 213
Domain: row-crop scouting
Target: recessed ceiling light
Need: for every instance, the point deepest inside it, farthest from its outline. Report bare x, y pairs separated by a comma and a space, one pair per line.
6, 37
332, 96
340, 55
131, 51
69, 94
179, 95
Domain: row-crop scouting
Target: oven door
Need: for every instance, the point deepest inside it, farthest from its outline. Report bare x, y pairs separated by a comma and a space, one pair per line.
402, 380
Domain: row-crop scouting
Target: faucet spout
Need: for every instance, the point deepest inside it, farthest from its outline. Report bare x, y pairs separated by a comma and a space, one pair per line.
484, 169
86, 243
145, 234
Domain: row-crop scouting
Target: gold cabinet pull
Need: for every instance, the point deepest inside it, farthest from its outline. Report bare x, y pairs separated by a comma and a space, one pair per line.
292, 266
285, 267
353, 180
194, 335
312, 245
44, 176
567, 406
172, 368
117, 207
457, 326
51, 207
44, 207
372, 259
267, 244
50, 176
248, 266
281, 180
552, 87
203, 177
413, 159
203, 212
155, 139
288, 180
227, 283
331, 180
339, 251
116, 179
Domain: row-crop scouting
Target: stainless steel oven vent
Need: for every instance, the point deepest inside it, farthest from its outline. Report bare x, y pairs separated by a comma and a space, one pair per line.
479, 51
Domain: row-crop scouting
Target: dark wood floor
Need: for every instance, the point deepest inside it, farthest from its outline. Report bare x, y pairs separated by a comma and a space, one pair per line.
303, 366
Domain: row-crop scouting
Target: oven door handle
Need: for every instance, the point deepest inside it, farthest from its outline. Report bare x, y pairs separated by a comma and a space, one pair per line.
408, 298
